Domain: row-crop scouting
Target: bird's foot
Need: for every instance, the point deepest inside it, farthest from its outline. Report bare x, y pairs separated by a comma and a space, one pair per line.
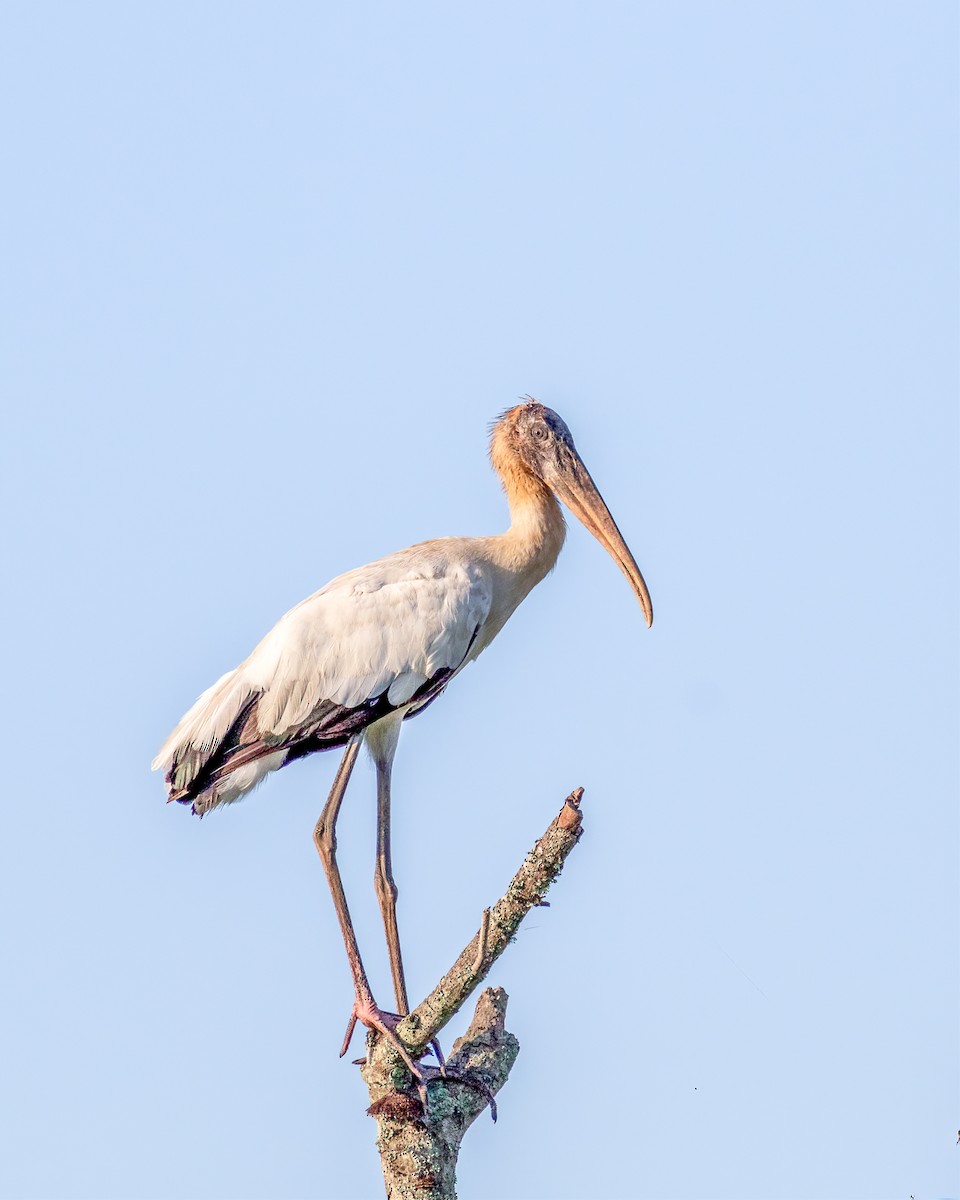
367, 1013
378, 1018
432, 1073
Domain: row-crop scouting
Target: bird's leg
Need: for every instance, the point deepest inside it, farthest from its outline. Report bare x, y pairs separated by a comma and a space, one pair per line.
325, 838
383, 746
385, 885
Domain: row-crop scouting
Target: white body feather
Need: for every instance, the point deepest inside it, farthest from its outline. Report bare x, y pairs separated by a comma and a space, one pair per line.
379, 643
383, 629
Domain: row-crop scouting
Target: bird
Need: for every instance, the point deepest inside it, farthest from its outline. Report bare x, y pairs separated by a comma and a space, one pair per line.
375, 647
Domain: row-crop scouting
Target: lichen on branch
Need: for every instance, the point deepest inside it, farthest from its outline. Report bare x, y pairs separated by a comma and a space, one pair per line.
419, 1147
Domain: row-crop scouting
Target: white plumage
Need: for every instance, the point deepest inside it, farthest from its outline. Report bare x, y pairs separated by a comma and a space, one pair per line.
378, 644
385, 629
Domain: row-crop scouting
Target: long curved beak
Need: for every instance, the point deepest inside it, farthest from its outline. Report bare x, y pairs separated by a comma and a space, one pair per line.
570, 481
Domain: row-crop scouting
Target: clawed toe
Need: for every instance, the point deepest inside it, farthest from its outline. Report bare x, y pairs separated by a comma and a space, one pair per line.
470, 1081
367, 1013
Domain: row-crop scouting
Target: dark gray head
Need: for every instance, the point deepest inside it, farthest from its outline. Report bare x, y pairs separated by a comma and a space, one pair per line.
542, 438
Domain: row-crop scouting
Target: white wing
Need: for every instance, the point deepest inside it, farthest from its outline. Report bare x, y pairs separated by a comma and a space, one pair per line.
383, 630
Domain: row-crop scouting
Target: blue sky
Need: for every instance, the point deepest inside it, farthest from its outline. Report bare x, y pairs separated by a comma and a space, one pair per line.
268, 273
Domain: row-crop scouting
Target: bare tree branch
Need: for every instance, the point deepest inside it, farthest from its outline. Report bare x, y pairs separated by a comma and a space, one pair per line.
527, 889
419, 1146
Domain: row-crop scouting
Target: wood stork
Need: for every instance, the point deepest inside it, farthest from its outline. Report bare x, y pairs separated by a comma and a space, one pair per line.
376, 646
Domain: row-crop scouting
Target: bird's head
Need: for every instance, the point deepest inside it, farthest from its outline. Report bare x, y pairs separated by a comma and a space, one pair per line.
536, 440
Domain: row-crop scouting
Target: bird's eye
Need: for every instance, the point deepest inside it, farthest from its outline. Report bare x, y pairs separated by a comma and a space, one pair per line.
539, 432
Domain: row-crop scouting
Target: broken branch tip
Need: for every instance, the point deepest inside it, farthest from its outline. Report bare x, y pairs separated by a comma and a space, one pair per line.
570, 815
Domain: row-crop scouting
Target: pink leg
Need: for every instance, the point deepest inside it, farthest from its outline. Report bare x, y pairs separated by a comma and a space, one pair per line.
365, 1009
